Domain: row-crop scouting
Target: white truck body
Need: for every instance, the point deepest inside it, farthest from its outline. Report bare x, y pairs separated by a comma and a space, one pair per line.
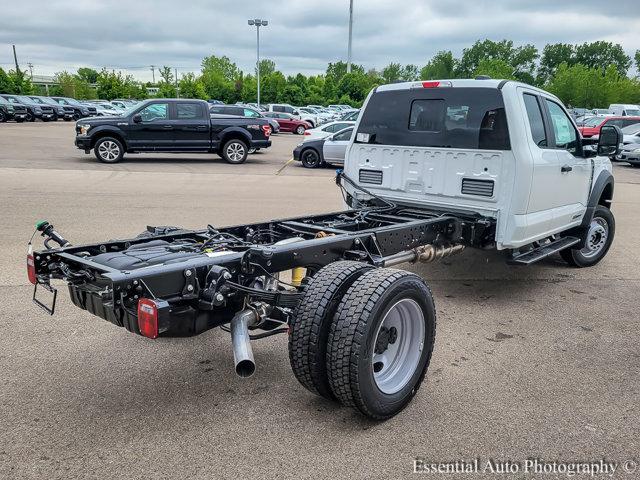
532, 190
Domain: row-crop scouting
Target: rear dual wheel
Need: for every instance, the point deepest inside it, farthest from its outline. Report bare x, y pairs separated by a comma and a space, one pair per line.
376, 338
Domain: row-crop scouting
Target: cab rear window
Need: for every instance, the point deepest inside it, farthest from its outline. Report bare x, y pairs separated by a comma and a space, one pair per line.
464, 118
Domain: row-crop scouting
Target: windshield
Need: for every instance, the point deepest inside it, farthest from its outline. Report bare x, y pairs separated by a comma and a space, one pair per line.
593, 121
37, 100
463, 118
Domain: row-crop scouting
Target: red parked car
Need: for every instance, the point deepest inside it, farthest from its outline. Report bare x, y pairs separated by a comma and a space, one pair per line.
593, 125
288, 123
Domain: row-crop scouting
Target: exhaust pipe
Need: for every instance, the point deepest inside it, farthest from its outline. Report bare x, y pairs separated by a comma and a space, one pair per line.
425, 254
242, 351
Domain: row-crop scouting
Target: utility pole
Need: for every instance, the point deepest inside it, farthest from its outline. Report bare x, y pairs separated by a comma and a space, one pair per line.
15, 58
30, 65
176, 73
153, 72
350, 35
258, 23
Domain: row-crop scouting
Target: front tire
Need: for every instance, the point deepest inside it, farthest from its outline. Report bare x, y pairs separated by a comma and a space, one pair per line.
3, 117
109, 150
235, 151
311, 322
300, 130
380, 342
30, 117
310, 158
76, 116
598, 240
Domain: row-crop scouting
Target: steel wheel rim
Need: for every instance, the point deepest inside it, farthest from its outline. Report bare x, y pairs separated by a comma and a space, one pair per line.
311, 155
596, 237
235, 151
109, 150
395, 360
300, 130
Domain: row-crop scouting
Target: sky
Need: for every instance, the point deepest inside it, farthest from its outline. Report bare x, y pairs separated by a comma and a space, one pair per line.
302, 36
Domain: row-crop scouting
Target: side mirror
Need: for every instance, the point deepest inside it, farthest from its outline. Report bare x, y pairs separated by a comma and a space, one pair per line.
296, 112
609, 142
137, 118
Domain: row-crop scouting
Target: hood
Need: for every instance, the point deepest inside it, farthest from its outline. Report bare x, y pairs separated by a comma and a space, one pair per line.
94, 121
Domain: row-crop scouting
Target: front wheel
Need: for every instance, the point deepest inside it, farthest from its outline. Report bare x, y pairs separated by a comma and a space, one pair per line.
300, 130
109, 150
30, 117
310, 158
380, 342
235, 151
3, 117
597, 243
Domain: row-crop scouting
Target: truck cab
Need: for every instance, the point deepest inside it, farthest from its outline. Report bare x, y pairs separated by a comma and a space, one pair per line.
502, 150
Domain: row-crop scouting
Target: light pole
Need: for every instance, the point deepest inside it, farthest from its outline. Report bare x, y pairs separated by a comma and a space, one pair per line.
258, 23
350, 35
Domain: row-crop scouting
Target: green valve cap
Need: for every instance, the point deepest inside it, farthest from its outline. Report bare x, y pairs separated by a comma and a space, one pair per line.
41, 224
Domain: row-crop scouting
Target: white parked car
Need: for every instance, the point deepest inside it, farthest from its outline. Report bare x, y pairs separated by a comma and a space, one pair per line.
624, 110
326, 130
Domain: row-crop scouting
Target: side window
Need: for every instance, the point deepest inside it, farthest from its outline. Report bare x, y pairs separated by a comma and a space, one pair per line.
278, 108
218, 110
566, 136
618, 122
288, 109
332, 128
250, 113
344, 135
536, 122
188, 111
156, 111
626, 123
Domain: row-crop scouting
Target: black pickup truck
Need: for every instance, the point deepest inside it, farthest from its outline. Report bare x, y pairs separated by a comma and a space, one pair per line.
172, 125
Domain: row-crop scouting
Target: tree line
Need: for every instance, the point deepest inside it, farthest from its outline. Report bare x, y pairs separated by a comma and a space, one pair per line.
588, 75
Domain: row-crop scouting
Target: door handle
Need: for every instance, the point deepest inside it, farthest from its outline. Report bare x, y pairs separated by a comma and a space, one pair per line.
201, 127
167, 127
566, 168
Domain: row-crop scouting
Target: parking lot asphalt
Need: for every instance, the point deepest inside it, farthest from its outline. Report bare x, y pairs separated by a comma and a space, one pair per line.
536, 362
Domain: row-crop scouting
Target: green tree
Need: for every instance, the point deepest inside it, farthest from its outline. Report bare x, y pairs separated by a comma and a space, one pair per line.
219, 76
21, 83
601, 54
495, 68
442, 66
354, 85
392, 73
88, 74
6, 83
553, 55
522, 59
267, 67
166, 86
191, 87
637, 58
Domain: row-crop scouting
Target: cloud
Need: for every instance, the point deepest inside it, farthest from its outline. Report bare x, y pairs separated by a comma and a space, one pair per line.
60, 35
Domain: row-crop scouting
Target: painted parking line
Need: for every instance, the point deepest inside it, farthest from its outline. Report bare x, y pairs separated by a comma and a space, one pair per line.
284, 166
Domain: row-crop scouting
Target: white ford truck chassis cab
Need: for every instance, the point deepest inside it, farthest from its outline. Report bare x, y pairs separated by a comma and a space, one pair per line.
432, 168
500, 149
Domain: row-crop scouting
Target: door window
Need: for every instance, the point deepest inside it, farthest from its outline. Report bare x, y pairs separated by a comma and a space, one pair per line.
536, 122
251, 113
566, 135
278, 108
188, 111
343, 135
156, 111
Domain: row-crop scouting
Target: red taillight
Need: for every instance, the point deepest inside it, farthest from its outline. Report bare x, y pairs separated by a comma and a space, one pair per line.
430, 84
267, 130
148, 317
31, 269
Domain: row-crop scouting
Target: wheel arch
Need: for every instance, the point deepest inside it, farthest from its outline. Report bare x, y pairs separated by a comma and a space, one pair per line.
234, 133
601, 194
107, 132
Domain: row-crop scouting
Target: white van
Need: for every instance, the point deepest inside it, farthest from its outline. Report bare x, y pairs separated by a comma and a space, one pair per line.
624, 109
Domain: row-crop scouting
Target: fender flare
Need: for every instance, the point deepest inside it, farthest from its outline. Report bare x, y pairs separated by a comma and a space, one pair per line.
605, 181
233, 132
100, 131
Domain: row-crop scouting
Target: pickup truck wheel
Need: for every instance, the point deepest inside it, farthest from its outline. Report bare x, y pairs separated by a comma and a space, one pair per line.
380, 342
310, 158
599, 238
3, 117
300, 130
108, 150
312, 319
235, 151
76, 116
30, 117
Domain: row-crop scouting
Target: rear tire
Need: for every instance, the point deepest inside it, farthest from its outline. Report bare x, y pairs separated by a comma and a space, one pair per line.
600, 236
235, 151
108, 150
300, 130
3, 117
380, 342
311, 322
